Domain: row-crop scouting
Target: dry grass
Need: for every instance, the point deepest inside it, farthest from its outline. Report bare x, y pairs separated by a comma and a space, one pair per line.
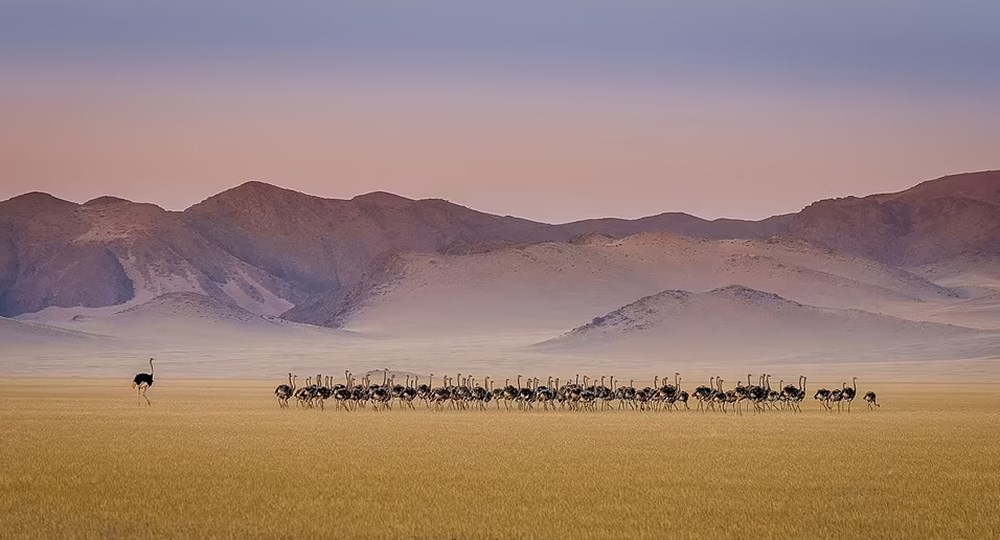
218, 459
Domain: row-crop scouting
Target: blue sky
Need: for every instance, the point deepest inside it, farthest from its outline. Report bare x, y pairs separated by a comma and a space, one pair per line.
942, 44
441, 98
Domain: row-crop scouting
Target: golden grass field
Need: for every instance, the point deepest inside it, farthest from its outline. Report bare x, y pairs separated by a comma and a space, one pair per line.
79, 458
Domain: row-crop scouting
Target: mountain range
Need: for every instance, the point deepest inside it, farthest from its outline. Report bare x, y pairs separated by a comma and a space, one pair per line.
268, 249
266, 260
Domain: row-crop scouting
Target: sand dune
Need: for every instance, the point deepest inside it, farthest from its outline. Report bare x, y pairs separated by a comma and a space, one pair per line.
196, 319
15, 333
743, 322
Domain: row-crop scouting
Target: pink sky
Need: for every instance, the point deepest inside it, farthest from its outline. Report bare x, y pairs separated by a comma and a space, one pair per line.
552, 151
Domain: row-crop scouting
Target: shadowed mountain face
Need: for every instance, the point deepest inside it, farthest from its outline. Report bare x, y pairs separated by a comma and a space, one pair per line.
937, 220
42, 264
322, 245
266, 250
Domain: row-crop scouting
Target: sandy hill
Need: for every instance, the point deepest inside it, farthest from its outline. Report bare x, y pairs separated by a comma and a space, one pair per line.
191, 306
547, 287
186, 318
743, 322
18, 333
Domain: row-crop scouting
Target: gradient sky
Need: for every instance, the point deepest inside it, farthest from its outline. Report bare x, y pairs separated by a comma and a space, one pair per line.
548, 109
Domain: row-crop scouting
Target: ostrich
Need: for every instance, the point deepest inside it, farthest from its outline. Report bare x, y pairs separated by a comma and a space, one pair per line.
719, 396
823, 396
608, 394
324, 392
849, 393
872, 399
626, 395
526, 395
343, 396
758, 394
409, 393
738, 395
425, 390
682, 396
704, 393
800, 394
837, 396
546, 394
303, 396
789, 392
772, 395
283, 392
141, 382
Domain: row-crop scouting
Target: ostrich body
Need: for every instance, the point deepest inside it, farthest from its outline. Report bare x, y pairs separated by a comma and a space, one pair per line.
141, 382
303, 396
324, 392
837, 396
850, 392
823, 396
704, 393
284, 391
871, 399
800, 395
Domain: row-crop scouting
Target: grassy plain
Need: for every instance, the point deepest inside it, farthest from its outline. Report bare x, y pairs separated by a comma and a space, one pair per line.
218, 458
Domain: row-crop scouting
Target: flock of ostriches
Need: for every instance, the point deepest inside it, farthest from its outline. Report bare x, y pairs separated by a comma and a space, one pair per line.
468, 393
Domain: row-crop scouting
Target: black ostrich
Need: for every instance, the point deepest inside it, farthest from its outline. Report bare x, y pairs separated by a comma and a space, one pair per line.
303, 396
823, 396
850, 392
682, 396
704, 393
872, 399
324, 391
837, 396
801, 394
285, 391
141, 382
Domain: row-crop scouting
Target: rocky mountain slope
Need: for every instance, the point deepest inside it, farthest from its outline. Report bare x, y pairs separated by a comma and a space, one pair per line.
954, 216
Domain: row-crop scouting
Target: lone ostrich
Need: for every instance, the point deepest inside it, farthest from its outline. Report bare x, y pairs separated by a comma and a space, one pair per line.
872, 399
284, 391
141, 382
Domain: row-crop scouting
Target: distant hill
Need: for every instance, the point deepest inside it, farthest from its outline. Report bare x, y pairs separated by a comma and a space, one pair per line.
738, 321
18, 333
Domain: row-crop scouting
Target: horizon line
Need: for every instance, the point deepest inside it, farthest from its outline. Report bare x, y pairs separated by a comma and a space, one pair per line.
411, 199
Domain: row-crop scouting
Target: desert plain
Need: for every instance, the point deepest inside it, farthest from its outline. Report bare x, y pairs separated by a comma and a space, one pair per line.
218, 459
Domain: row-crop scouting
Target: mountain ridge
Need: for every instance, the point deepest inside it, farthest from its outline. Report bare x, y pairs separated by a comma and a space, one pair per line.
269, 249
